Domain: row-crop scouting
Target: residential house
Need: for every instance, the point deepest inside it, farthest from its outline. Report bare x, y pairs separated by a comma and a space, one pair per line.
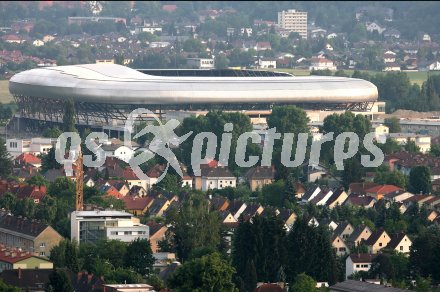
417, 199
117, 150
288, 217
217, 178
219, 203
35, 193
252, 209
434, 66
121, 187
359, 188
322, 198
389, 57
422, 141
157, 234
344, 230
310, 193
263, 46
359, 234
397, 196
259, 176
27, 159
392, 33
378, 192
338, 244
237, 207
400, 242
29, 235
432, 216
227, 217
332, 225
432, 202
338, 198
137, 191
377, 240
300, 190
159, 206
110, 191
381, 132
137, 205
360, 201
374, 27
313, 222
322, 63
358, 262
12, 259
133, 180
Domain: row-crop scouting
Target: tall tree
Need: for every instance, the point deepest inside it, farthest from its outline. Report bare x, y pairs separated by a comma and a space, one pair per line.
420, 180
139, 256
59, 281
69, 116
393, 124
208, 273
49, 161
286, 119
189, 225
304, 283
5, 160
71, 256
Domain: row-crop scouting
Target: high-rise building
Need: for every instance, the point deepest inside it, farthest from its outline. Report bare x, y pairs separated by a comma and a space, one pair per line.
294, 21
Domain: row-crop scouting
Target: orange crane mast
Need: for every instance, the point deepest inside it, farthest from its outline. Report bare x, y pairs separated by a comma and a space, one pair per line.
79, 181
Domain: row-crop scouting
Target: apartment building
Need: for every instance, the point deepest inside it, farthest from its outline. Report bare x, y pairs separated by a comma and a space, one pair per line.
294, 21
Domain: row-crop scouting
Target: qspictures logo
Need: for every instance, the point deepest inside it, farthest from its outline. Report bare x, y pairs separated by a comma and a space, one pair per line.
346, 146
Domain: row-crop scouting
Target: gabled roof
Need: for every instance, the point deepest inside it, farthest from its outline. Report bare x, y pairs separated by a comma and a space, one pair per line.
359, 201
383, 189
362, 257
359, 188
251, 209
22, 225
135, 203
374, 237
357, 232
336, 194
341, 227
219, 171
260, 172
309, 192
27, 158
235, 205
358, 286
395, 240
217, 202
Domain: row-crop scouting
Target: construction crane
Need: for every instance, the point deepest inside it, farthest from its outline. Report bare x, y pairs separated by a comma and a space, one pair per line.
79, 181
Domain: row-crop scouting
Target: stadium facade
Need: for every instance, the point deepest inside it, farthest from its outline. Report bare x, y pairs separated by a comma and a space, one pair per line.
103, 93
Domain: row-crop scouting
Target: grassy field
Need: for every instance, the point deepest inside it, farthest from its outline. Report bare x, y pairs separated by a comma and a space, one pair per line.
415, 77
5, 96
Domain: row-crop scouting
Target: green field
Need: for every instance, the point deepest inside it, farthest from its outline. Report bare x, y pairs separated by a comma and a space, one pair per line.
415, 77
5, 96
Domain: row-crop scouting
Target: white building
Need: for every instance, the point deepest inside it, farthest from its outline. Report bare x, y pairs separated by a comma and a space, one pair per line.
121, 152
36, 146
372, 27
149, 29
321, 63
434, 66
389, 57
264, 63
218, 178
381, 132
92, 226
294, 21
422, 141
38, 43
201, 63
358, 262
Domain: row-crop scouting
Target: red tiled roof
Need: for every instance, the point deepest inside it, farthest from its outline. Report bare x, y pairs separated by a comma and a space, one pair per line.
113, 192
383, 189
28, 158
12, 256
169, 8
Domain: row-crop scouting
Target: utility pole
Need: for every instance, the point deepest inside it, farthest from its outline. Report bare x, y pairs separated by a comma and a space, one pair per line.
79, 181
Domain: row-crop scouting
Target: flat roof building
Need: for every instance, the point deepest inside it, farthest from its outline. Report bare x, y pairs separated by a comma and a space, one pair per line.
92, 226
294, 21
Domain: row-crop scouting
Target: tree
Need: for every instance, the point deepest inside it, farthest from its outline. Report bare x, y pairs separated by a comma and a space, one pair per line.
69, 116
53, 132
71, 256
8, 288
286, 119
8, 201
353, 171
38, 180
310, 251
420, 180
435, 150
208, 273
5, 160
221, 62
139, 256
424, 256
49, 161
189, 225
412, 147
171, 183
59, 281
393, 124
304, 283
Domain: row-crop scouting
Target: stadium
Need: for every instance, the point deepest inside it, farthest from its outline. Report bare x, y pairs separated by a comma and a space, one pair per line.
106, 92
